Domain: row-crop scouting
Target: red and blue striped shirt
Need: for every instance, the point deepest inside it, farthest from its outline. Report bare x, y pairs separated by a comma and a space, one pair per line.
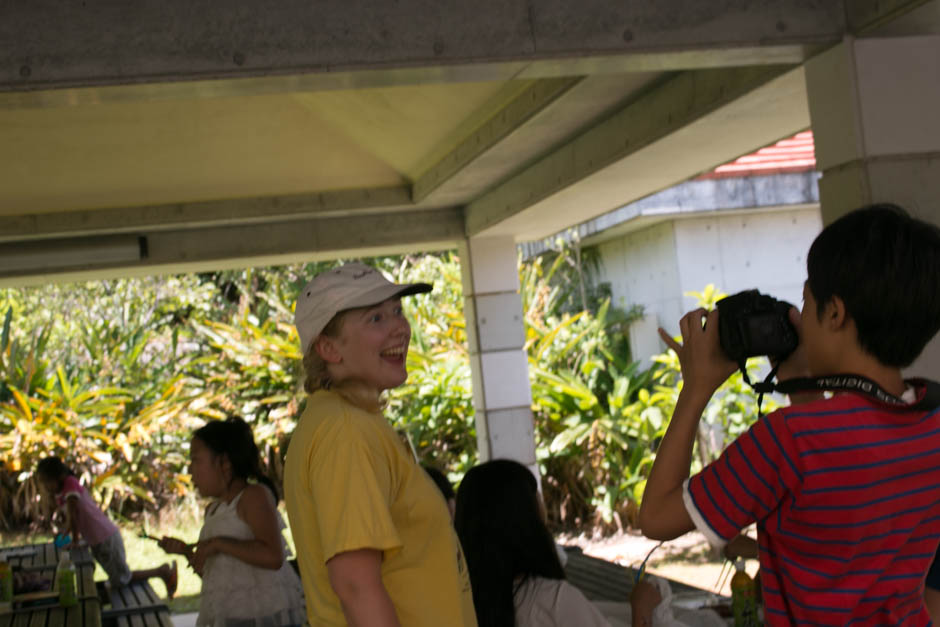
846, 496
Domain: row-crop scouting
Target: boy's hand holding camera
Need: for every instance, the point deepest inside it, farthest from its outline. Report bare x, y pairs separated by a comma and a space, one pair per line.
703, 359
704, 364
704, 368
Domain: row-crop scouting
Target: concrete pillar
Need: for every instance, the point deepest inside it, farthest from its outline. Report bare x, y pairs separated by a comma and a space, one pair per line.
873, 105
502, 395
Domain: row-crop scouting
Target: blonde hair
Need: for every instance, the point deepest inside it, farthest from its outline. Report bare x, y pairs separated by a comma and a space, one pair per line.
317, 375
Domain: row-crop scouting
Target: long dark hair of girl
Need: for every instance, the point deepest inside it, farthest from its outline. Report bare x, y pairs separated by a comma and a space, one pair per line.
504, 538
233, 439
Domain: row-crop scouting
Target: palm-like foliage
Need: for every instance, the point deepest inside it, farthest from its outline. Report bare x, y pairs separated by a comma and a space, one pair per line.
589, 419
435, 406
88, 374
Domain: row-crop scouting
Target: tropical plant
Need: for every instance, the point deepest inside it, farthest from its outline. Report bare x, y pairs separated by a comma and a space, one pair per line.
590, 421
435, 406
88, 374
598, 416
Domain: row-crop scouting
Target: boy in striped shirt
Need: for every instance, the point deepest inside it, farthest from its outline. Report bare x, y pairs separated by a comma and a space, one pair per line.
845, 490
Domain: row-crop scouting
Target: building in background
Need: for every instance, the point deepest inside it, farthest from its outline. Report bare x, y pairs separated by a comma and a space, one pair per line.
746, 224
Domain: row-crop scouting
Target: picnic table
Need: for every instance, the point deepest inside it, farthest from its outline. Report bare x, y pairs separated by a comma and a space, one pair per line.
45, 557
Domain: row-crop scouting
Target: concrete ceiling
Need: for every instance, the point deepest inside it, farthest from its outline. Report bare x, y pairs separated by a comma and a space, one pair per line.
182, 135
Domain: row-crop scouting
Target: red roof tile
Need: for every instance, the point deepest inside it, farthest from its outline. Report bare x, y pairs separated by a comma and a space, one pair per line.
794, 154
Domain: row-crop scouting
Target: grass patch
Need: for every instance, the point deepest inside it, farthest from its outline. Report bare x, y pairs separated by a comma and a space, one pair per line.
143, 554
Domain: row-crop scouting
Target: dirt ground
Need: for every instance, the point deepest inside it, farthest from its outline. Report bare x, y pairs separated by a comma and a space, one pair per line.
688, 559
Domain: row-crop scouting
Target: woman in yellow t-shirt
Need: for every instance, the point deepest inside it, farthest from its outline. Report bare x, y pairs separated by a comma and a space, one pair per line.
373, 536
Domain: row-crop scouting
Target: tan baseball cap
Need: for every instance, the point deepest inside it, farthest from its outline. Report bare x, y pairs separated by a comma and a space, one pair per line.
346, 287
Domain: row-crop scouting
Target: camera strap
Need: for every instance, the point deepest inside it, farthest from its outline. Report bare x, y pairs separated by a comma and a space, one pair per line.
849, 383
762, 387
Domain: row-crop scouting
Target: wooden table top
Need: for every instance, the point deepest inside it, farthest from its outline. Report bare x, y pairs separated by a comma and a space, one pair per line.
606, 581
45, 557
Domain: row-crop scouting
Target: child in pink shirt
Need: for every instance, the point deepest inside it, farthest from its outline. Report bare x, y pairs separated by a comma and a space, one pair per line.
86, 520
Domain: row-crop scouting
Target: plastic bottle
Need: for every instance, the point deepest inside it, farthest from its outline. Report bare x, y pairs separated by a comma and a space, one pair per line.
743, 597
65, 581
6, 582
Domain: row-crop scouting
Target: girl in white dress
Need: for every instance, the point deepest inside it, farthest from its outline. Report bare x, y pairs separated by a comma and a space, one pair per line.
246, 581
517, 578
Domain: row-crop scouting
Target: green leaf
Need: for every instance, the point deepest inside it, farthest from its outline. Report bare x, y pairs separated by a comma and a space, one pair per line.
23, 404
638, 489
567, 437
546, 342
5, 337
654, 416
64, 384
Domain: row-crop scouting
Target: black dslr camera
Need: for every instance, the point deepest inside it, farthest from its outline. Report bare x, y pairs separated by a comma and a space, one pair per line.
751, 324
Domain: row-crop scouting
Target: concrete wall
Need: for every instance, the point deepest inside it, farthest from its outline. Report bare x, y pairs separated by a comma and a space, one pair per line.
657, 266
642, 267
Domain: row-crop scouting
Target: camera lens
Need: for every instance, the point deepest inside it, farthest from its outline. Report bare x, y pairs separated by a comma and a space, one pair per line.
762, 331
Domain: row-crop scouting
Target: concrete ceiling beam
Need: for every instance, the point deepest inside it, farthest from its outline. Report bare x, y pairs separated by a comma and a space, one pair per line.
662, 111
544, 117
47, 44
227, 212
52, 94
531, 101
223, 247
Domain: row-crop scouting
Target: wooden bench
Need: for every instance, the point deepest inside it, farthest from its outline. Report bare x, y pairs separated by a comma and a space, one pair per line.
135, 605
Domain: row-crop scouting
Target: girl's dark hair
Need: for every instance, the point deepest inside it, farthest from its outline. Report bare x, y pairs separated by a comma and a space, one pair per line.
233, 439
503, 534
53, 468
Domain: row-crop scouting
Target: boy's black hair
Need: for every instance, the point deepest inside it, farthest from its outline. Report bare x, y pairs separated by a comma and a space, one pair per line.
233, 439
53, 468
885, 266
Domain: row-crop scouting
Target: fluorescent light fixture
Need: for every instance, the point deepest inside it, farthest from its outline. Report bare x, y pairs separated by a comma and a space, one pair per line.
70, 254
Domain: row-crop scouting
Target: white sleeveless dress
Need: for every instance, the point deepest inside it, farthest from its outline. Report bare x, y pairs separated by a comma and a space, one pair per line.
237, 594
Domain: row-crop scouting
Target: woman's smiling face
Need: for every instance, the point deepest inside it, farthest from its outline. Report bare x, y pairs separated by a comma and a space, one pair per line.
372, 346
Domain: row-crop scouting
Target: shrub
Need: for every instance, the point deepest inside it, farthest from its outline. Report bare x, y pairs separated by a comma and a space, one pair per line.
114, 377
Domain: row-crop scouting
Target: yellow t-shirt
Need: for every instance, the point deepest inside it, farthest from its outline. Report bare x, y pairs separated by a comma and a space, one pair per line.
349, 483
